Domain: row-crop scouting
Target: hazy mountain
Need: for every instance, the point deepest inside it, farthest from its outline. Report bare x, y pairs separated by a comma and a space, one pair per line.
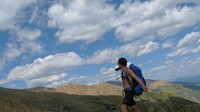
119, 83
29, 101
190, 85
105, 88
185, 90
42, 89
115, 88
188, 79
99, 89
104, 97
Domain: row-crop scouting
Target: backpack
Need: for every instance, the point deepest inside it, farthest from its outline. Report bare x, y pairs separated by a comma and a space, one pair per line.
138, 90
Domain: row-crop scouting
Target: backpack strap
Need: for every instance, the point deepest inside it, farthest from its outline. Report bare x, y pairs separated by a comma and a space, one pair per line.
127, 78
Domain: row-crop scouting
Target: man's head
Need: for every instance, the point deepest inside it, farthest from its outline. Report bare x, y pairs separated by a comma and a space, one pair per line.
122, 62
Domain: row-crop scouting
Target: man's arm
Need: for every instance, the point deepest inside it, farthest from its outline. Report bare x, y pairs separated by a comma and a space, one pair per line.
137, 79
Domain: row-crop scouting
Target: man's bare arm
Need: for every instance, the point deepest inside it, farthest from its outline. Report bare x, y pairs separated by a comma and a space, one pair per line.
137, 79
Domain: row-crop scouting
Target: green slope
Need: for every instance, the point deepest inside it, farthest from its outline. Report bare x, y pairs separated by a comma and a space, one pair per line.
190, 85
178, 90
27, 101
186, 90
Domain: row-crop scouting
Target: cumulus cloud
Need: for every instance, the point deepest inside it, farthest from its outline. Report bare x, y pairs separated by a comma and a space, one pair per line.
25, 41
52, 67
168, 44
162, 18
188, 44
88, 20
148, 48
28, 39
46, 80
104, 75
189, 39
134, 49
74, 80
81, 20
172, 70
9, 10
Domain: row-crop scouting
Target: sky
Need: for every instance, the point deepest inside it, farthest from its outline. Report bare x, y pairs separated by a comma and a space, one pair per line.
52, 43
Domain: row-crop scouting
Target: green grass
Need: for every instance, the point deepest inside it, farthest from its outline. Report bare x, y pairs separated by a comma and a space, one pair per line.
27, 101
179, 90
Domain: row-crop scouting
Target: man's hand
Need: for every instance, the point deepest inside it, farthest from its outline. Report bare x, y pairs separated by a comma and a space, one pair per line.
145, 88
137, 79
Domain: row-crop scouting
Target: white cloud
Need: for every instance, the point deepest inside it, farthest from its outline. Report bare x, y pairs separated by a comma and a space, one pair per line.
35, 13
189, 39
136, 48
44, 67
86, 20
105, 55
45, 80
163, 18
180, 51
28, 40
74, 80
81, 20
107, 71
89, 20
148, 48
25, 41
105, 74
188, 44
9, 10
11, 52
168, 44
172, 70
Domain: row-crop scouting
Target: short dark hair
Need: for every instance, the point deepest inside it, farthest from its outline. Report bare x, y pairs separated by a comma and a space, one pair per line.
122, 61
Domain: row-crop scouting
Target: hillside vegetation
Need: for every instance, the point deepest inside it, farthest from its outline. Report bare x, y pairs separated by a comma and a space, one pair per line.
42, 99
178, 90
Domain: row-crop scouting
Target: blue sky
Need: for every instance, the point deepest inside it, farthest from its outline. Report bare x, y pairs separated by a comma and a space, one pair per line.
79, 41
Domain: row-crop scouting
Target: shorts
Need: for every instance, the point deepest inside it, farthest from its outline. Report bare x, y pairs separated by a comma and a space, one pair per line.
128, 98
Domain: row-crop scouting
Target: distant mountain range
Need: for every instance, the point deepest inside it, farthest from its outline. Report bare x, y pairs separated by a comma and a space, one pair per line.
186, 90
189, 91
119, 83
195, 79
104, 97
94, 90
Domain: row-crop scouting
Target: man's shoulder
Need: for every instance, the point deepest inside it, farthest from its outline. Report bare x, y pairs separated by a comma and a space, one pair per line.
128, 69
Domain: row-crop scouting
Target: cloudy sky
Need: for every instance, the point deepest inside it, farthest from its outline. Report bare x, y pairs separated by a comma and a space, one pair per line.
52, 43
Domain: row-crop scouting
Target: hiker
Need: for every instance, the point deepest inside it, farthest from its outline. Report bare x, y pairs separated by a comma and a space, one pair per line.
128, 89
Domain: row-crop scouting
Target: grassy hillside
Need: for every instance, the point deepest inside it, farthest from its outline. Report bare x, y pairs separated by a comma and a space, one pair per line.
28, 101
176, 90
190, 85
185, 90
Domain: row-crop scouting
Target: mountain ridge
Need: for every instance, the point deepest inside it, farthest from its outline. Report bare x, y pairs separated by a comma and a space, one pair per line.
15, 100
110, 88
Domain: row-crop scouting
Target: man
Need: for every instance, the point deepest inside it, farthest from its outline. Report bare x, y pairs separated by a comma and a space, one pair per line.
128, 98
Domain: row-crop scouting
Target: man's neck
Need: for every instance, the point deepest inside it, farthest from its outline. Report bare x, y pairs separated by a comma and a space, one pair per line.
124, 68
